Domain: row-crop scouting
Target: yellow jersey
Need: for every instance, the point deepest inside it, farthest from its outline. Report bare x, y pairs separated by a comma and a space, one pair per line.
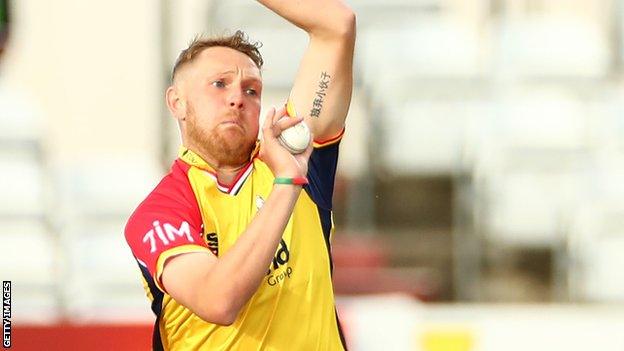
190, 211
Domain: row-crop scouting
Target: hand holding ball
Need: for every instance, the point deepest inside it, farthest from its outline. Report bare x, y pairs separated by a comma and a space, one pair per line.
296, 138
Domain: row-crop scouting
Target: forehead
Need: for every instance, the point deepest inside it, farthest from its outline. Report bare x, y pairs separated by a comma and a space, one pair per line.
219, 59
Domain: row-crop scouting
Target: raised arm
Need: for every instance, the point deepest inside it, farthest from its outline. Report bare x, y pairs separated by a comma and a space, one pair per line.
321, 93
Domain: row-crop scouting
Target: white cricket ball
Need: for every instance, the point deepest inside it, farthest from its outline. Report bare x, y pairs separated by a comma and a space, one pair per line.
296, 138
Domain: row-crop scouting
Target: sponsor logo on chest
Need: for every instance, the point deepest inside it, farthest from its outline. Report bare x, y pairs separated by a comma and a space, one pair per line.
278, 271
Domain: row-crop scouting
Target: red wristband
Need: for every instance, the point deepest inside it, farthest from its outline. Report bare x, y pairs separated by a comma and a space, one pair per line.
293, 181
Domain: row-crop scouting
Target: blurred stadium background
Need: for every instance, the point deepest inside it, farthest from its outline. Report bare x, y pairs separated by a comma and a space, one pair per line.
480, 197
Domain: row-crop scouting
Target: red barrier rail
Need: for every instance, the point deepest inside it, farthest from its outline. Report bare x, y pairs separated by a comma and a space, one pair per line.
81, 337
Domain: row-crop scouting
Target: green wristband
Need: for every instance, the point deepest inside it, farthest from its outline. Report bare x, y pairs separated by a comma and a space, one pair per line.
293, 181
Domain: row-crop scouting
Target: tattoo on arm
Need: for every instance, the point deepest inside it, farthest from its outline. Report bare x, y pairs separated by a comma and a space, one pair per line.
317, 103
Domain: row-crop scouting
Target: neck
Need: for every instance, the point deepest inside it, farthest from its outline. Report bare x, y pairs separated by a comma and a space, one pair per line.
225, 173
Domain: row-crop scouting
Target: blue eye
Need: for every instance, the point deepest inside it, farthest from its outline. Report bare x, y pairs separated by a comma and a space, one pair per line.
218, 83
251, 92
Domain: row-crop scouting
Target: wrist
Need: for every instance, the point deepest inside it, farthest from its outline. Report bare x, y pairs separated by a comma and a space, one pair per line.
299, 181
289, 174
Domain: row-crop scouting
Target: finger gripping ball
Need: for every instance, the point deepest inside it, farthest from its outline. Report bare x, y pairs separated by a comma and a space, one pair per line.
296, 138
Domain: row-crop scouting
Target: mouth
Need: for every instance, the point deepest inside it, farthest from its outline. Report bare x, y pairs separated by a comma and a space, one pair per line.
230, 123
227, 124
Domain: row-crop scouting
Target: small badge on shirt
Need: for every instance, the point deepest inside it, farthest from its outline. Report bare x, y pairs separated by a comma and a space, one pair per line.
259, 202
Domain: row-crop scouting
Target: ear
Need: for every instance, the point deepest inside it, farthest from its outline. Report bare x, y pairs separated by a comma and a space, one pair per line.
175, 103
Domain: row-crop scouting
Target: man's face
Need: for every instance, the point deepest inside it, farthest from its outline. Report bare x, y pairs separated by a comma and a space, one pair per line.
222, 89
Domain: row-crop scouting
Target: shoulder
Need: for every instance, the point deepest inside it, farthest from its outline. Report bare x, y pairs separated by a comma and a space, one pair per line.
172, 201
167, 223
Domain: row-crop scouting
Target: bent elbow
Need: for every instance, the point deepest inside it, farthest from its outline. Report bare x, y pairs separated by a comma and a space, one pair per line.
341, 25
344, 26
220, 313
225, 320
349, 24
228, 316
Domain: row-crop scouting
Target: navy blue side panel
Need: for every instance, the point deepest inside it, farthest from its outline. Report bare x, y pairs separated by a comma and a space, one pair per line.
156, 308
321, 175
325, 216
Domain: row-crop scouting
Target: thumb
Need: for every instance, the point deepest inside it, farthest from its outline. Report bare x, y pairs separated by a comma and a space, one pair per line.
268, 122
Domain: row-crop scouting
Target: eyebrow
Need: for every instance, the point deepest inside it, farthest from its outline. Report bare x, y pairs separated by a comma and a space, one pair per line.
246, 78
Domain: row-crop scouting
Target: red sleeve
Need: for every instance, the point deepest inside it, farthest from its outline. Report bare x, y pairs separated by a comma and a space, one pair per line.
167, 223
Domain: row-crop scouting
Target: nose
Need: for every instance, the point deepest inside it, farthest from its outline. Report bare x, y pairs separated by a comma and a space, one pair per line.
236, 99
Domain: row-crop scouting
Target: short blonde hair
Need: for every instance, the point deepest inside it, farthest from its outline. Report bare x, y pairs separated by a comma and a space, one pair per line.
238, 41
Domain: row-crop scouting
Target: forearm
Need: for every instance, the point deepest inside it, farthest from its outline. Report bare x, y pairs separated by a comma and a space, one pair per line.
235, 277
322, 18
